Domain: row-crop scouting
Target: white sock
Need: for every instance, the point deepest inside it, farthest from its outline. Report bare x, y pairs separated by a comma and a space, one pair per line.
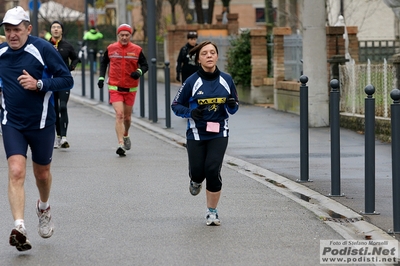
43, 205
19, 222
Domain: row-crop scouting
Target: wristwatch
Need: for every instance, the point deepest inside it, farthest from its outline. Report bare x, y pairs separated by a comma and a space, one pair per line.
39, 84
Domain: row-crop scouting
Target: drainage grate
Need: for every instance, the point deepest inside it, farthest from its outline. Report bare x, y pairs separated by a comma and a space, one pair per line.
342, 220
275, 183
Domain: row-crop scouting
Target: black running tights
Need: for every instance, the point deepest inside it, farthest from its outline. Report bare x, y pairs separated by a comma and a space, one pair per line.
60, 104
205, 161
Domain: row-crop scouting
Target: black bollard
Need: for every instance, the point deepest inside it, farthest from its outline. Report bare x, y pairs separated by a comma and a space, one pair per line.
153, 77
83, 62
369, 190
335, 138
150, 92
304, 139
91, 63
395, 121
167, 96
141, 94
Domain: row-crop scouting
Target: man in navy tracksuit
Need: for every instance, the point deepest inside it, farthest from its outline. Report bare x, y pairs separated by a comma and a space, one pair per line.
30, 70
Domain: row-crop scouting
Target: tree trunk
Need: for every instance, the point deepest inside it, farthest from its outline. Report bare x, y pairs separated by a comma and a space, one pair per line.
225, 4
199, 11
210, 11
158, 18
185, 8
173, 14
144, 14
173, 4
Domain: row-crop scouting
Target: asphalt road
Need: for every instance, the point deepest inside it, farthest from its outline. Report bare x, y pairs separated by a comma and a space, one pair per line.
137, 210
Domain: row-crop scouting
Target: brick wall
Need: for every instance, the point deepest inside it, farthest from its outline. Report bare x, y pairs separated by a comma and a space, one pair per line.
279, 53
177, 37
353, 42
259, 58
334, 41
334, 36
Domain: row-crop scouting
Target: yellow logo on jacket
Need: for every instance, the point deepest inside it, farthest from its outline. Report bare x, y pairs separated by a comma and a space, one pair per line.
211, 101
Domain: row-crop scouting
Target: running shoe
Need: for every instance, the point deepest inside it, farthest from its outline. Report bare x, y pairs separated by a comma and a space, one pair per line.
121, 150
127, 143
19, 239
64, 143
194, 188
57, 141
45, 228
212, 217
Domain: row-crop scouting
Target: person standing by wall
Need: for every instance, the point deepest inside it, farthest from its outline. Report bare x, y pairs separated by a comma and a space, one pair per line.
30, 70
185, 64
91, 39
206, 99
61, 98
126, 63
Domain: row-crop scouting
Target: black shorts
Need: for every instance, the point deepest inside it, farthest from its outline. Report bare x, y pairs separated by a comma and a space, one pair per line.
41, 142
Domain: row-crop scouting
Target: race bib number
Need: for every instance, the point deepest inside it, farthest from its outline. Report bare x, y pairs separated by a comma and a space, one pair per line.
212, 127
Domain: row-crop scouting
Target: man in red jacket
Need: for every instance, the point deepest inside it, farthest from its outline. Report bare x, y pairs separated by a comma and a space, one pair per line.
126, 63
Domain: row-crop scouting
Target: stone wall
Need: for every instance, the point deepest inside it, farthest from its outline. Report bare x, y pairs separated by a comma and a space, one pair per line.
383, 127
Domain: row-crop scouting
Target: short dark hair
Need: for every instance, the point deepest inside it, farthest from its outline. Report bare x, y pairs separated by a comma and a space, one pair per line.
192, 35
59, 23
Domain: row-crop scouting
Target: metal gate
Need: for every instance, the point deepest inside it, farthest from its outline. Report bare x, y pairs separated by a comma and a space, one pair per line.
293, 47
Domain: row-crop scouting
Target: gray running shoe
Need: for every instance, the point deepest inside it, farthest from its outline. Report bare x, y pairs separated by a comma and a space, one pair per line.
45, 228
194, 188
212, 217
19, 239
127, 143
121, 150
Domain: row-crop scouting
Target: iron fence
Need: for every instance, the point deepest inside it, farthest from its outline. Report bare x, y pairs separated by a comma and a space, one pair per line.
377, 51
355, 77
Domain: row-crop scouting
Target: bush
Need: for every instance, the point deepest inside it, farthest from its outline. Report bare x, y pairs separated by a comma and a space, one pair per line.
239, 59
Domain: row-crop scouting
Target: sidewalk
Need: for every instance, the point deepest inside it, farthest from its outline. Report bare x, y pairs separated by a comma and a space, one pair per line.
264, 139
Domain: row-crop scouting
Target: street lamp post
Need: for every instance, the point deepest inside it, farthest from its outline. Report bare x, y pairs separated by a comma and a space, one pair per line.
151, 44
33, 6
